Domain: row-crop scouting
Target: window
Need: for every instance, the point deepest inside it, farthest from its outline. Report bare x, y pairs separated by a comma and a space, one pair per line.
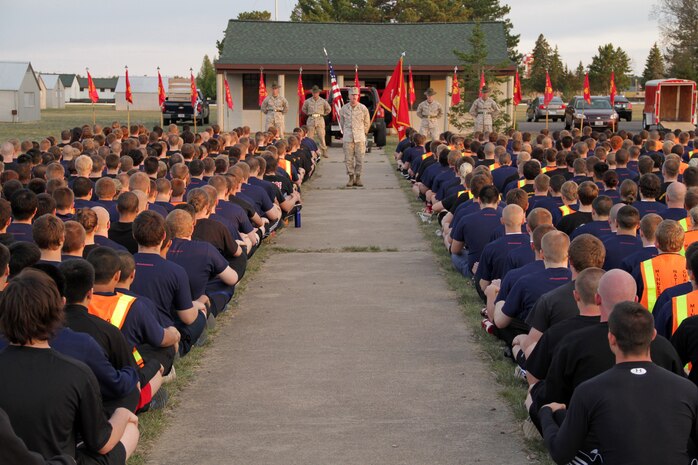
310, 80
421, 84
250, 91
29, 99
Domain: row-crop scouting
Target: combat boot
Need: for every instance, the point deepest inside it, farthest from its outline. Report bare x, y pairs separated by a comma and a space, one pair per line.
350, 183
357, 181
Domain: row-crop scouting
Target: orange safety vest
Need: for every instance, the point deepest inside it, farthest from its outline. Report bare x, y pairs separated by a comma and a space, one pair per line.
286, 165
114, 309
566, 210
521, 183
545, 169
682, 167
427, 155
494, 166
686, 223
463, 192
689, 238
682, 307
659, 273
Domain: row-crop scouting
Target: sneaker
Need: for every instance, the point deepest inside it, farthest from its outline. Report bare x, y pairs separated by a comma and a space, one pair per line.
171, 376
487, 325
529, 430
159, 400
520, 373
210, 322
202, 339
483, 312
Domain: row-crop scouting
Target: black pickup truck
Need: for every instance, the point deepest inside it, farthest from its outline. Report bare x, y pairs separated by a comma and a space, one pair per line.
174, 111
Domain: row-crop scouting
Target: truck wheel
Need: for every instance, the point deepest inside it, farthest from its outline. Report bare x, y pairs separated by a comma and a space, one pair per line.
166, 122
629, 118
379, 135
645, 126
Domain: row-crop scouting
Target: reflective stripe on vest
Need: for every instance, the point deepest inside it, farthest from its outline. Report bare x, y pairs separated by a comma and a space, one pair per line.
494, 166
462, 192
286, 165
659, 273
426, 155
686, 223
682, 307
566, 210
521, 183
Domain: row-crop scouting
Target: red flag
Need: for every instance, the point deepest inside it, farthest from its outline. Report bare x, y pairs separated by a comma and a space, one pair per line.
161, 90
394, 99
587, 89
356, 77
548, 94
455, 89
612, 93
411, 88
194, 94
91, 89
228, 97
129, 94
482, 83
517, 89
262, 88
301, 91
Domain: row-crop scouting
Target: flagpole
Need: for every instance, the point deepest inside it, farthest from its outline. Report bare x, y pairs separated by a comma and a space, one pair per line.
94, 116
261, 116
191, 73
300, 74
515, 117
162, 121
128, 107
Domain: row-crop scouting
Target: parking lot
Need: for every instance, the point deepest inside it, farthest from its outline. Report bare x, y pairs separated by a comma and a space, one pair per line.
521, 124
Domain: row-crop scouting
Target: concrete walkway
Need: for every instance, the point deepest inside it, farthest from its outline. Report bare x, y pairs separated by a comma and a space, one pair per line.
342, 356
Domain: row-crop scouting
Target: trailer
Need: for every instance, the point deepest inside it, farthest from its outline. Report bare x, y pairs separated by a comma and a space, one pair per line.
670, 104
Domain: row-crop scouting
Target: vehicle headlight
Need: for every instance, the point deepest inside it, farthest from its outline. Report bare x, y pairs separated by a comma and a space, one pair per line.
614, 116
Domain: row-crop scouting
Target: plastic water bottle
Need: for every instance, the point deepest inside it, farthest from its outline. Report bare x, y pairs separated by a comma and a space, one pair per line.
297, 218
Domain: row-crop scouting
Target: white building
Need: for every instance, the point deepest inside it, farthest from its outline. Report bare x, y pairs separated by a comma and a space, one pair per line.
105, 89
71, 86
144, 90
20, 93
54, 93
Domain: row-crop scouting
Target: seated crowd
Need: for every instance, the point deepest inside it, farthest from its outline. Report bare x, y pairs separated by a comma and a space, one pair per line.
119, 246
583, 247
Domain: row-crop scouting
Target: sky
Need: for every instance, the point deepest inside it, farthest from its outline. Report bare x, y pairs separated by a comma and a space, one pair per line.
68, 35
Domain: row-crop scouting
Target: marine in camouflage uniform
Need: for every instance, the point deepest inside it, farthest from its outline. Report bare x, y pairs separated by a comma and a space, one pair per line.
316, 108
275, 107
356, 123
484, 110
429, 111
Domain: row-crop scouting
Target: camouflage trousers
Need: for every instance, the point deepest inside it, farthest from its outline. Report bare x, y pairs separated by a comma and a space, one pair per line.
319, 128
354, 157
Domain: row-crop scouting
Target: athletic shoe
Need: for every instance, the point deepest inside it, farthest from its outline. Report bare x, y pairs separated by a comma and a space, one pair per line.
520, 373
159, 400
171, 376
487, 325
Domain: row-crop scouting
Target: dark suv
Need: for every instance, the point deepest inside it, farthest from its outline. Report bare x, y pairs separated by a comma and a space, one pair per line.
370, 98
597, 114
623, 107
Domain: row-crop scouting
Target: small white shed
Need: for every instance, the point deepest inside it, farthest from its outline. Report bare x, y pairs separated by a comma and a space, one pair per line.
55, 92
71, 86
20, 93
144, 90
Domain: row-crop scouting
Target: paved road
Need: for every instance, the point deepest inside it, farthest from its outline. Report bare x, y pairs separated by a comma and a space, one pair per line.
632, 126
339, 356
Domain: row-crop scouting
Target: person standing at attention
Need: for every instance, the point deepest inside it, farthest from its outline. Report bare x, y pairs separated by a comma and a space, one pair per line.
355, 124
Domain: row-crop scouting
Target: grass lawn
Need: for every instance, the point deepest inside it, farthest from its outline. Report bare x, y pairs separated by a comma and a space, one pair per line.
512, 390
53, 121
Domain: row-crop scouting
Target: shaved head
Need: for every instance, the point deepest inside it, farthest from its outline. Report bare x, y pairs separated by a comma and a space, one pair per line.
513, 215
676, 193
615, 286
102, 218
142, 200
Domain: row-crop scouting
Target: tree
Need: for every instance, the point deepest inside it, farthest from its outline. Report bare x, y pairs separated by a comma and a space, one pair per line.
255, 15
423, 11
654, 67
206, 79
677, 21
609, 59
541, 63
474, 63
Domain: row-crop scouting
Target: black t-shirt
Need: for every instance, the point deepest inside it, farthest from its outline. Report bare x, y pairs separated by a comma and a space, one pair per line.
14, 451
215, 233
247, 206
635, 413
51, 399
685, 341
553, 307
572, 221
283, 183
122, 234
451, 202
585, 354
539, 359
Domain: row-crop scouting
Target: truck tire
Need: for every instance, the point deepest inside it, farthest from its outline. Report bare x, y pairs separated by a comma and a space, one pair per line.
629, 118
379, 134
645, 126
166, 122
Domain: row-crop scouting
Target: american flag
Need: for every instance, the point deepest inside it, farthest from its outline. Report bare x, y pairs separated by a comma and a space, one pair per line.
335, 93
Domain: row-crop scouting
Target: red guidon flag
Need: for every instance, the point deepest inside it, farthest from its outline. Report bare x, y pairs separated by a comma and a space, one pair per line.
228, 97
301, 90
413, 98
128, 93
455, 89
482, 83
356, 77
91, 89
517, 89
161, 90
194, 94
612, 93
587, 89
548, 94
262, 88
394, 100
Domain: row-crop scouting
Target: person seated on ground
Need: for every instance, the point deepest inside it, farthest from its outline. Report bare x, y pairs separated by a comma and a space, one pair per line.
82, 188
263, 204
540, 355
505, 171
445, 179
233, 212
291, 197
472, 232
494, 254
236, 176
101, 231
585, 353
648, 230
165, 283
48, 232
650, 189
675, 202
675, 303
670, 175
541, 190
451, 220
74, 241
509, 317
429, 170
564, 198
624, 242
587, 192
201, 260
663, 406
667, 269
89, 221
412, 157
523, 255
65, 206
24, 205
141, 182
129, 206
599, 225
6, 238
163, 187
23, 255
105, 190
558, 305
52, 400
513, 197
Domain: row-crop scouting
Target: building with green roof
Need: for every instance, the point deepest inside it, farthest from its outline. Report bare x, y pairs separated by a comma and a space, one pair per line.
281, 49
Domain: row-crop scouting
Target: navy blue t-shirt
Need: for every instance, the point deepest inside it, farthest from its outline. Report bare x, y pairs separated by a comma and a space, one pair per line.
626, 173
159, 209
651, 206
618, 248
631, 262
166, 205
201, 260
518, 257
109, 206
475, 229
235, 214
411, 154
21, 232
272, 191
613, 194
104, 241
165, 283
676, 214
514, 275
431, 173
597, 228
83, 203
445, 176
501, 174
663, 310
528, 289
494, 255
258, 197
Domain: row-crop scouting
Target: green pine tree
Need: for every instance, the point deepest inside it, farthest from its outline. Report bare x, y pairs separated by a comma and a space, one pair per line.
542, 58
678, 19
206, 79
654, 66
609, 59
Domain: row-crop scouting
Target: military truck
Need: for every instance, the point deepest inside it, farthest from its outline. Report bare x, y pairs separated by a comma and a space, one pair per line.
177, 106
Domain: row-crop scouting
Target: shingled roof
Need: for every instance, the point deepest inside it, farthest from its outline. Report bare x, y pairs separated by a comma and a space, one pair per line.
278, 45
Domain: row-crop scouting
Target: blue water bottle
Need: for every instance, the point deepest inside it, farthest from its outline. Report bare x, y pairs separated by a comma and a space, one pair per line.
297, 217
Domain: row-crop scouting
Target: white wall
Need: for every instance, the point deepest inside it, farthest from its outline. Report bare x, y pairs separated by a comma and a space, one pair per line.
142, 101
29, 99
